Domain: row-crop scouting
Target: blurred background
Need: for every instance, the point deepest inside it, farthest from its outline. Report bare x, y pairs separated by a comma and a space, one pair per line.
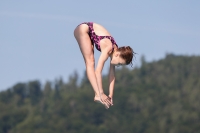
43, 86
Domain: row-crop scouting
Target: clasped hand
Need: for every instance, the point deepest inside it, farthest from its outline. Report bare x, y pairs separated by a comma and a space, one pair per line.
106, 100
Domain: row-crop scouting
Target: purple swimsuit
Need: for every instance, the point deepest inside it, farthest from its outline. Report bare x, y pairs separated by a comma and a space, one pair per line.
95, 38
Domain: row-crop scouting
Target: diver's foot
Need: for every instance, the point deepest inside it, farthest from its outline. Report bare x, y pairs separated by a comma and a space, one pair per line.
98, 100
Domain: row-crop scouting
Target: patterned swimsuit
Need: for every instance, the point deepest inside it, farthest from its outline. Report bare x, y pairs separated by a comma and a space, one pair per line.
96, 39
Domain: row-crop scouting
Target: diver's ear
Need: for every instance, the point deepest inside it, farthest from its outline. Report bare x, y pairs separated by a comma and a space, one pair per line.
117, 53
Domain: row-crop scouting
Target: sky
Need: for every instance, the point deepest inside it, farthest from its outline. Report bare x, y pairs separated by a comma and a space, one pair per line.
37, 41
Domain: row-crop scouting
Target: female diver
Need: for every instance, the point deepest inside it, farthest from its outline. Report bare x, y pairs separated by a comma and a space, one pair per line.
89, 34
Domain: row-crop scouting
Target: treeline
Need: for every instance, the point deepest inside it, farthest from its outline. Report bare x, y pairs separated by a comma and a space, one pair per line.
158, 97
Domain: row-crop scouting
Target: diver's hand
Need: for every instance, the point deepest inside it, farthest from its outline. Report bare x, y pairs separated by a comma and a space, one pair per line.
103, 99
106, 100
111, 99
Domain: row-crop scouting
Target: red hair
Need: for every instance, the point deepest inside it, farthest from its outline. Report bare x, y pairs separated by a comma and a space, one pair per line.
126, 53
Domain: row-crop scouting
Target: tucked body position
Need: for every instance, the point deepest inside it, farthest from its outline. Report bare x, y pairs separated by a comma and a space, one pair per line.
88, 35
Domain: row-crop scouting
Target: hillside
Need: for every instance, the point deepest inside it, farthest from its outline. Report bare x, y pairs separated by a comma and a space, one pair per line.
158, 97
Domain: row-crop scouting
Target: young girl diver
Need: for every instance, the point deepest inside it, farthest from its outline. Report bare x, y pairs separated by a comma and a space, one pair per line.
89, 34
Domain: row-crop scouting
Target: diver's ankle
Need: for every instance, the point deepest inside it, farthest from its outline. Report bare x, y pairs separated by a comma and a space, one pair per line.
99, 94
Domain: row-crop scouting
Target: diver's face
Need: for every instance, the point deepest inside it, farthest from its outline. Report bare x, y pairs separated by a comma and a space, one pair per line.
117, 60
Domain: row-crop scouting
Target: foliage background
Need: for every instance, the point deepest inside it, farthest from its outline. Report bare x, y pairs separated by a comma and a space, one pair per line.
160, 96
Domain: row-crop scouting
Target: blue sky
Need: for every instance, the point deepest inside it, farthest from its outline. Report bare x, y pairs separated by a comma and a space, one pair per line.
37, 42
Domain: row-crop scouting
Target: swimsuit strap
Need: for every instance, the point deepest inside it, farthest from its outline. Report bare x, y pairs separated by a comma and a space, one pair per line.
111, 39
